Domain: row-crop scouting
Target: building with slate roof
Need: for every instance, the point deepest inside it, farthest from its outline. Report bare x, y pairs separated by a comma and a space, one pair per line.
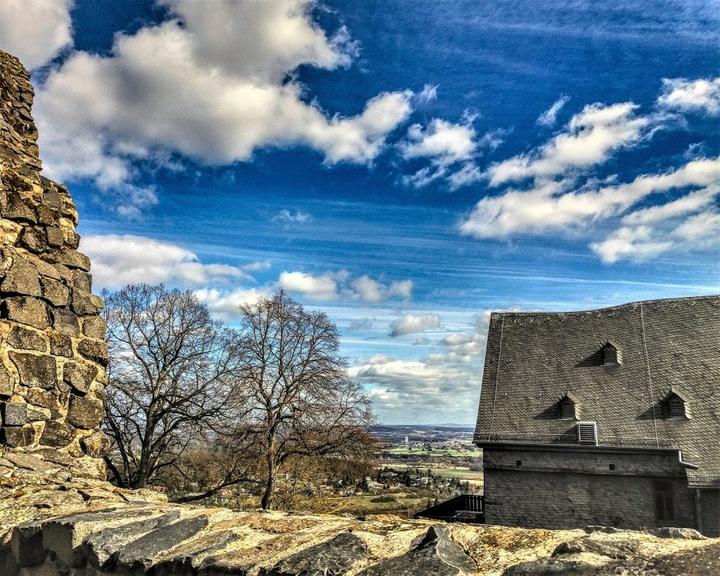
608, 416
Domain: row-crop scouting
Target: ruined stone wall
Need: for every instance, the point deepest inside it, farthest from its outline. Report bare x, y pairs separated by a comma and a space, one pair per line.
52, 349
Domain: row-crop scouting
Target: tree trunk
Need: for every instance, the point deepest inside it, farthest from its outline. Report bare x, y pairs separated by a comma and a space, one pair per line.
266, 500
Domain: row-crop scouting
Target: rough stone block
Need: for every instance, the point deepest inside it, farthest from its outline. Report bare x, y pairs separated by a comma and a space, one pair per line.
7, 382
79, 376
35, 369
139, 554
433, 553
74, 259
55, 236
61, 345
85, 304
96, 445
85, 412
336, 556
57, 434
21, 278
55, 291
17, 436
81, 281
65, 322
27, 339
102, 547
94, 327
95, 350
33, 239
25, 310
15, 414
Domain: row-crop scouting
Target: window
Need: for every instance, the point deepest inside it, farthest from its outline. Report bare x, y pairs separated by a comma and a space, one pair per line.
610, 355
664, 505
612, 466
675, 407
568, 408
587, 433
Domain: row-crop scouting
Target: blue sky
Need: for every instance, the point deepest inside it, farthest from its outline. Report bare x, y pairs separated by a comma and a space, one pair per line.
405, 166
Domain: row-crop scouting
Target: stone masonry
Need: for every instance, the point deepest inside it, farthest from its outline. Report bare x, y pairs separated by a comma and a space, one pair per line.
52, 348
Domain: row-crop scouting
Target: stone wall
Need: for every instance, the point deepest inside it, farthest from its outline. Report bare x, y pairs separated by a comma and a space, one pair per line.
52, 349
564, 490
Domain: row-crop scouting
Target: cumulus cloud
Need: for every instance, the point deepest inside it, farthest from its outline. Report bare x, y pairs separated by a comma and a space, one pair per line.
449, 381
35, 30
549, 117
333, 285
550, 207
211, 85
226, 304
590, 138
125, 259
414, 323
286, 216
448, 148
634, 243
691, 95
320, 287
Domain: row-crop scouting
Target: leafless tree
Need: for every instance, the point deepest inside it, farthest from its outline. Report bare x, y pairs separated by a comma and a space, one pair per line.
294, 387
171, 375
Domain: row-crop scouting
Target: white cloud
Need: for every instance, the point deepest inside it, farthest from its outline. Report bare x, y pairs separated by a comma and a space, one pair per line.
690, 203
635, 243
549, 117
401, 389
124, 259
333, 285
703, 227
590, 137
450, 150
288, 217
35, 30
549, 207
414, 323
427, 94
211, 85
691, 95
227, 305
322, 287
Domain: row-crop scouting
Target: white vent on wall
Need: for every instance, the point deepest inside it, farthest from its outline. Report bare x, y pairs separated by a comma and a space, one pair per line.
587, 433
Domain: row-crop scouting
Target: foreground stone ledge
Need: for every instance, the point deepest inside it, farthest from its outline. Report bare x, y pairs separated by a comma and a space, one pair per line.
58, 517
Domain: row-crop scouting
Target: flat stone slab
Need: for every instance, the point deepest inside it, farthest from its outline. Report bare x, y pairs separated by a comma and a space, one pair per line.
336, 557
434, 553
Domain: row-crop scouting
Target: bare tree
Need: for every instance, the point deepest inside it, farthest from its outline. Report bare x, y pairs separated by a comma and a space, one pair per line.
294, 387
171, 375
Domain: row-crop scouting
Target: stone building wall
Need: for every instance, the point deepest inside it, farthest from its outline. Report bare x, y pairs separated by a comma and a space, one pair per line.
52, 348
536, 488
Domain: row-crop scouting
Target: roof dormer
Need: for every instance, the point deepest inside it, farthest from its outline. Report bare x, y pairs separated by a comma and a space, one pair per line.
568, 408
675, 406
611, 356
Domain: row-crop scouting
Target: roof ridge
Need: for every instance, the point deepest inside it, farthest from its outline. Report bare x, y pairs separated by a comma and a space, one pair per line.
678, 299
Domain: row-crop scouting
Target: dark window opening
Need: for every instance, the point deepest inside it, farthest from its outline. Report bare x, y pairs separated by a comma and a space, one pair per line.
612, 466
664, 505
568, 408
675, 407
518, 462
610, 355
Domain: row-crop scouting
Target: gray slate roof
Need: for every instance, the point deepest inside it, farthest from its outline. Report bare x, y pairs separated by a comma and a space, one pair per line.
534, 359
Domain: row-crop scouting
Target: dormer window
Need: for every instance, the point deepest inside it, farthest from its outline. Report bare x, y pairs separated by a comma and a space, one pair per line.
568, 408
610, 355
675, 407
